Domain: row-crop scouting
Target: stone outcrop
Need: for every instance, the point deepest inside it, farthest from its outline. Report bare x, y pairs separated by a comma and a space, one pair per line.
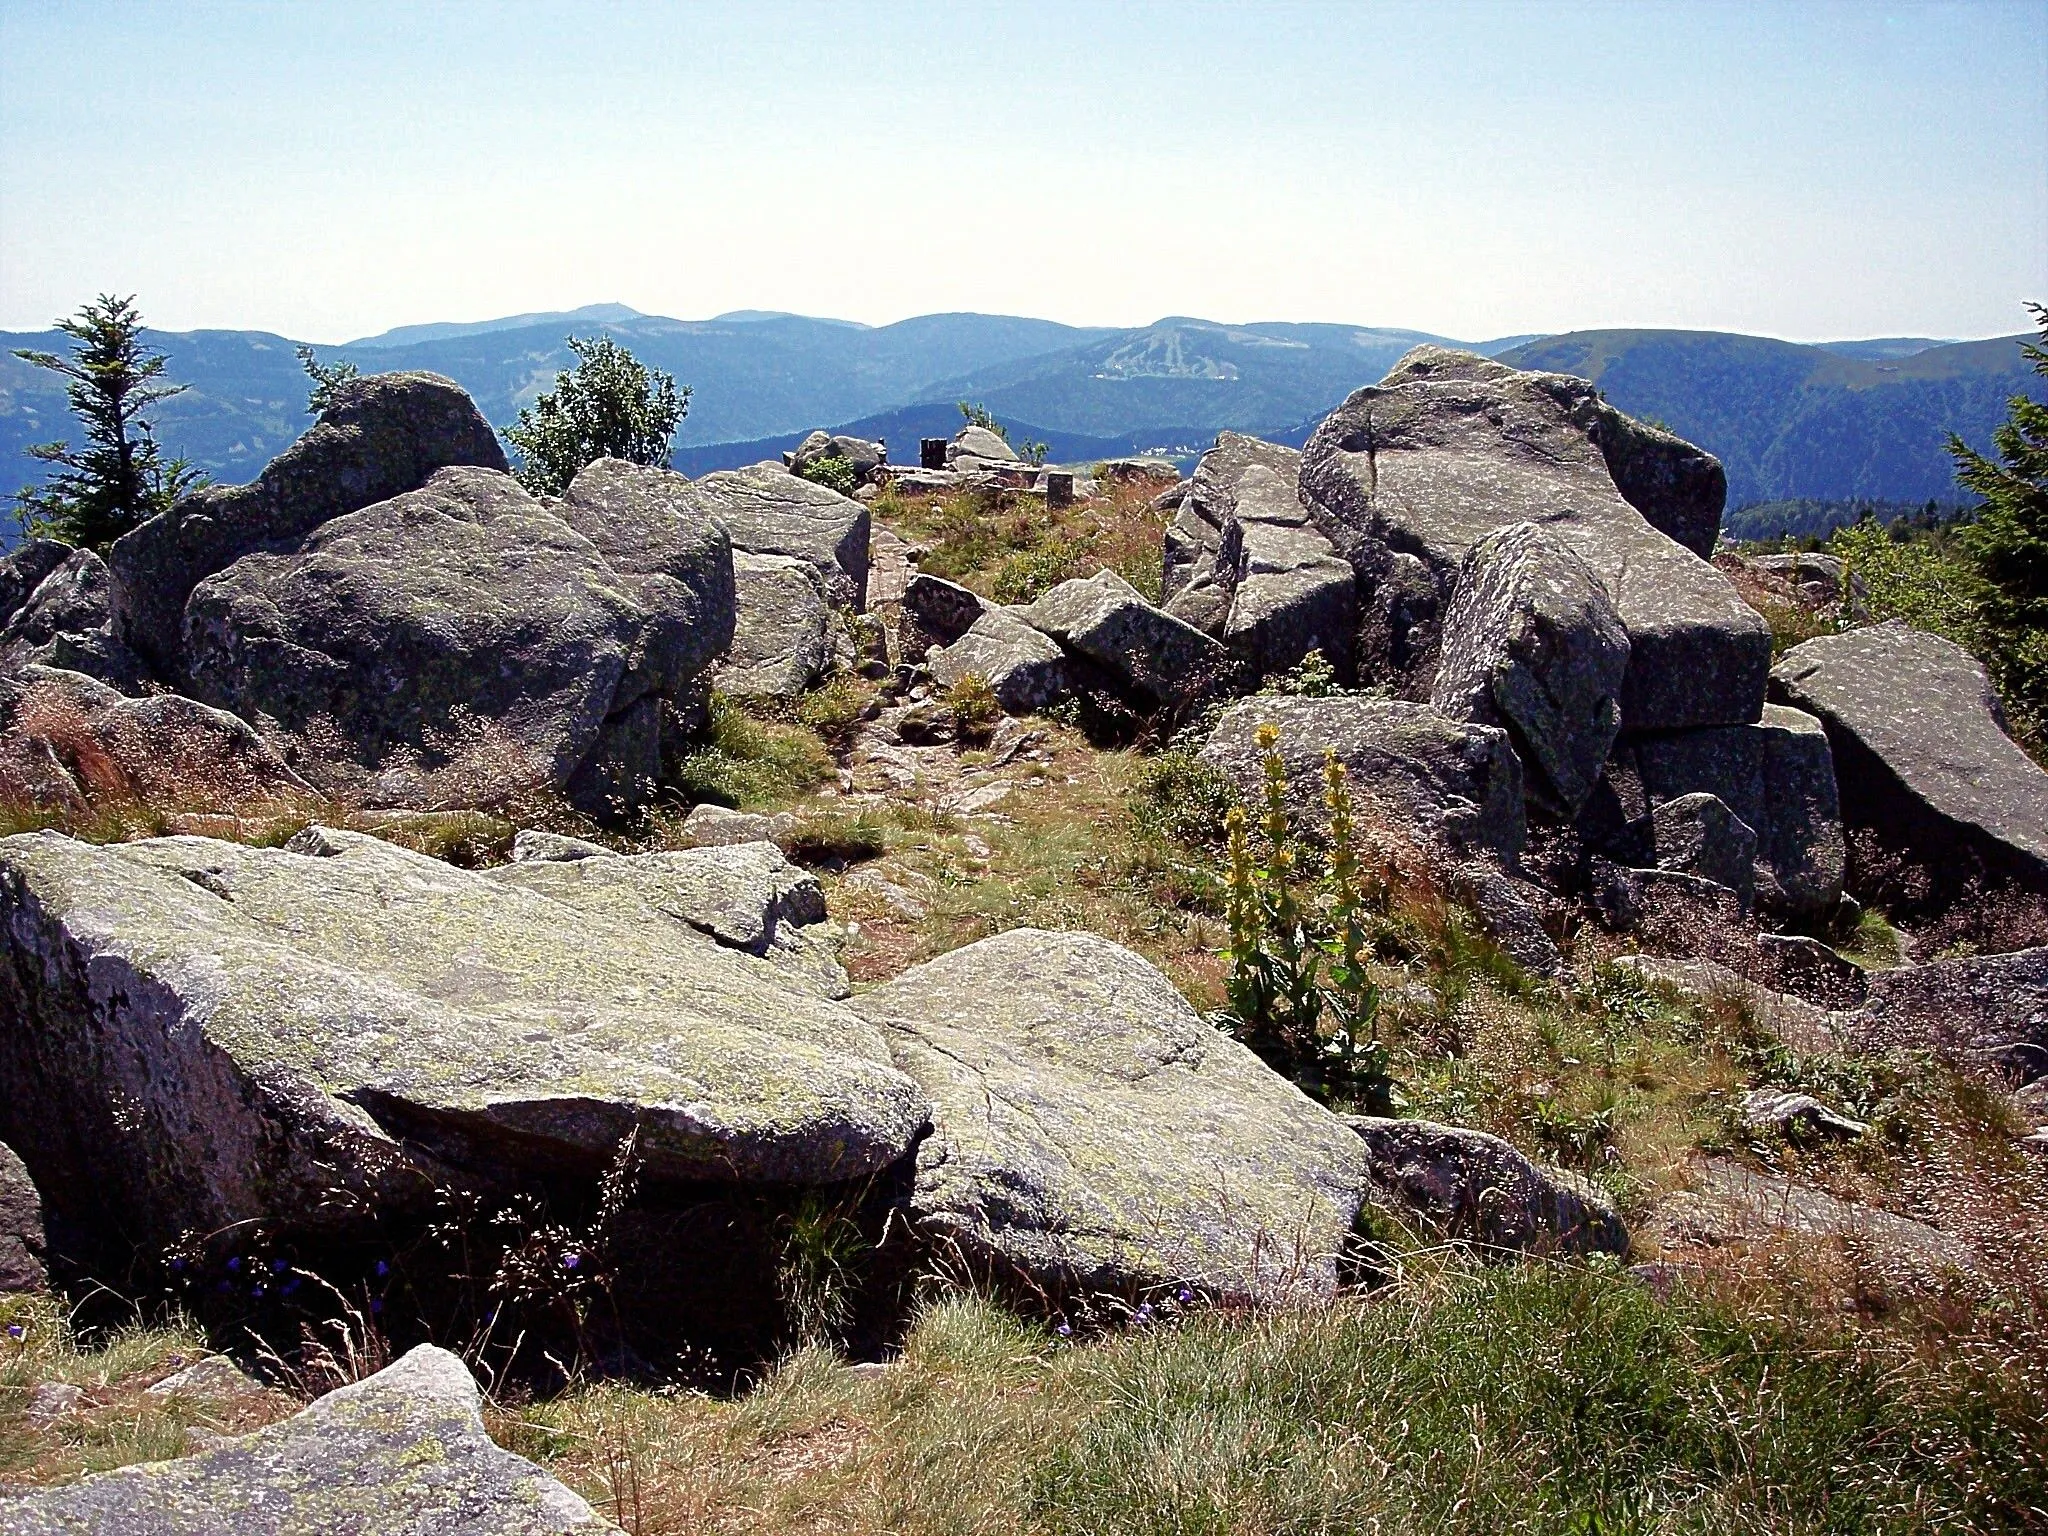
1777, 776
23, 568
197, 1033
1990, 1008
972, 444
1697, 834
1150, 656
68, 741
1291, 593
1446, 781
1198, 571
782, 628
1919, 752
459, 642
1478, 1189
398, 1453
1450, 447
1798, 1023
1531, 642
860, 455
385, 434
769, 511
944, 610
1027, 671
22, 1245
1091, 1132
66, 621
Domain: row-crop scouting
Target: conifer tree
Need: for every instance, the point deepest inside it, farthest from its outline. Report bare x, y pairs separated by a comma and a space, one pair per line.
120, 478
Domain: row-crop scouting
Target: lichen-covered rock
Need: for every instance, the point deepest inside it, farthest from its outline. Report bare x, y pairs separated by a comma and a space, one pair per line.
1993, 1008
769, 511
70, 741
782, 641
861, 456
716, 826
1778, 776
1447, 781
23, 1247
530, 845
457, 633
944, 610
1091, 1132
197, 1033
385, 434
745, 896
972, 442
1291, 594
23, 568
1194, 555
1477, 1188
1450, 446
1698, 835
1024, 668
66, 622
1150, 656
1531, 641
1919, 752
400, 1453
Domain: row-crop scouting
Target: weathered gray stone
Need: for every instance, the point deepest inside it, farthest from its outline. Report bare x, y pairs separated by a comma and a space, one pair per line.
198, 1033
944, 610
69, 740
1479, 1189
1449, 447
1626, 898
1778, 776
973, 442
387, 633
1730, 1203
1292, 594
1441, 779
769, 511
1026, 670
860, 455
1209, 504
716, 826
530, 845
1919, 752
1993, 1008
744, 896
400, 1453
1802, 1025
384, 435
1698, 835
66, 622
1531, 642
1769, 1110
1151, 656
1090, 1131
22, 1244
782, 641
1818, 576
23, 568
1508, 912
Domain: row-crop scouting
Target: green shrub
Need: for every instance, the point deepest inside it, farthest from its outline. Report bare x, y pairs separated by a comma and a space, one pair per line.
745, 762
834, 471
975, 707
1029, 574
836, 707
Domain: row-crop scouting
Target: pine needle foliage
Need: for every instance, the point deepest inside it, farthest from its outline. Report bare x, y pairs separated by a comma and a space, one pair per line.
120, 478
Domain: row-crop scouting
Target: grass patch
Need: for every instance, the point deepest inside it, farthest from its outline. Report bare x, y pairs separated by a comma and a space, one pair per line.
746, 762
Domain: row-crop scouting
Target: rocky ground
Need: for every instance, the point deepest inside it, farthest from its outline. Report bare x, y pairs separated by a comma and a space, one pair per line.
773, 1032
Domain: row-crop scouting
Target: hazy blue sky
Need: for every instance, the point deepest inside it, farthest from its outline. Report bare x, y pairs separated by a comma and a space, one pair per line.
1803, 170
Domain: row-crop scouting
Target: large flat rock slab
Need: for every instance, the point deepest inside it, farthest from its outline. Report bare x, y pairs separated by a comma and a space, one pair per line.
197, 1033
400, 1453
1918, 751
1091, 1131
1450, 446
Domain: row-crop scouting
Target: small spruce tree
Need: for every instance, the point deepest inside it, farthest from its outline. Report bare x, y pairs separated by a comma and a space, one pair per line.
120, 478
610, 405
326, 377
2010, 534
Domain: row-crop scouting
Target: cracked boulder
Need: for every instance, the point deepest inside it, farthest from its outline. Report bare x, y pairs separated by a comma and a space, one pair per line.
463, 641
1091, 1132
1292, 594
769, 511
1025, 669
1920, 752
1449, 782
385, 434
1150, 657
1992, 1009
1531, 642
782, 630
398, 1453
22, 1245
65, 621
1449, 447
197, 1033
1200, 552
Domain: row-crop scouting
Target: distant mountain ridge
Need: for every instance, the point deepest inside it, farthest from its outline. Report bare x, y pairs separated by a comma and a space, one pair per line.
1838, 421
